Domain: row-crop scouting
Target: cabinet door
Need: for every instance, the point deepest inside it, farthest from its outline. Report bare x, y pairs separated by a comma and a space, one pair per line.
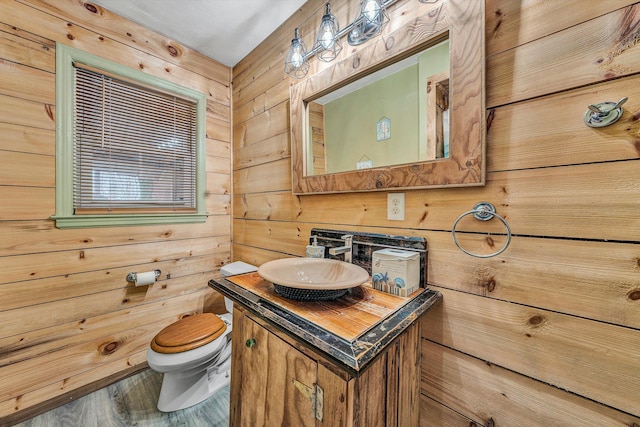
268, 392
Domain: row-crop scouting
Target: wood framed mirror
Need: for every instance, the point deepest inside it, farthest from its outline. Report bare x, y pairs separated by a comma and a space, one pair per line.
450, 124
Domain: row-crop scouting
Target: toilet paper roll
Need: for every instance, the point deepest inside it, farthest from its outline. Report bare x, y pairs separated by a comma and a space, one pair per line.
146, 278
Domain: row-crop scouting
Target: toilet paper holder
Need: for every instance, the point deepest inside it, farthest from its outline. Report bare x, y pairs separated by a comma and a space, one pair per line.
133, 276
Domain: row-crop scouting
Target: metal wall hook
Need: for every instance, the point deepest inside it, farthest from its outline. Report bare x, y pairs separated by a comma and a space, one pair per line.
603, 113
483, 211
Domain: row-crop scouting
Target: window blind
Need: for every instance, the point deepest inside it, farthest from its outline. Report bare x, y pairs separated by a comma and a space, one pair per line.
134, 148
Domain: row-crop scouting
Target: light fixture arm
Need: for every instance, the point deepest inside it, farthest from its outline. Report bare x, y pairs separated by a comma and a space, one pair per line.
345, 30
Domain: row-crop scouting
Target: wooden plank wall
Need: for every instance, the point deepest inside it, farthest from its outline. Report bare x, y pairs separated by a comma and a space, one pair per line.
547, 333
68, 317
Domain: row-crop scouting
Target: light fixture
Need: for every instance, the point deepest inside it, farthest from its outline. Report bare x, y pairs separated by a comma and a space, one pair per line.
371, 18
327, 45
296, 64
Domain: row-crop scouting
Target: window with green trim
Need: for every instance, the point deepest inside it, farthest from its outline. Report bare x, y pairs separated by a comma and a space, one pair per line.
130, 147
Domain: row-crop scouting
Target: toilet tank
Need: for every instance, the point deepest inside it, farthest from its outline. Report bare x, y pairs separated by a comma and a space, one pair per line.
237, 267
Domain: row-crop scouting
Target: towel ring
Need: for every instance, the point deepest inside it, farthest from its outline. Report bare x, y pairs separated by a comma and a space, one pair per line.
482, 211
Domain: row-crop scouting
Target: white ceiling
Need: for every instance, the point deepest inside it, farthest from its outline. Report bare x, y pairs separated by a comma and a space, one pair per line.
224, 30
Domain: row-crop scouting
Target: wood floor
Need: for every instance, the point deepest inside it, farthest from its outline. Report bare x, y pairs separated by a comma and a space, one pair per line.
132, 402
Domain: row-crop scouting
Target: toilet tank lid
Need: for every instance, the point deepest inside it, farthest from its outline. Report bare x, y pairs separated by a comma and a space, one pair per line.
237, 267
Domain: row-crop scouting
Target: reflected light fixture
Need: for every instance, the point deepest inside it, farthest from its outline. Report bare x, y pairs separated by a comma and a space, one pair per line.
296, 64
370, 20
327, 45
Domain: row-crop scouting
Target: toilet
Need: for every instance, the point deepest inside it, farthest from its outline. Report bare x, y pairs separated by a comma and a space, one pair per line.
194, 353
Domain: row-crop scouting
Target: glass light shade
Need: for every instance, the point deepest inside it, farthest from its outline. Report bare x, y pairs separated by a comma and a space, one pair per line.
296, 64
327, 45
371, 19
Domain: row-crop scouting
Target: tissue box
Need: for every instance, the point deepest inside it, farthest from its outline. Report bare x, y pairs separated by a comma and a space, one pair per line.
395, 271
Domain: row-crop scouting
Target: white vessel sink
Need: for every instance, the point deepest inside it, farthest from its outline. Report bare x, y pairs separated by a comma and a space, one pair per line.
313, 273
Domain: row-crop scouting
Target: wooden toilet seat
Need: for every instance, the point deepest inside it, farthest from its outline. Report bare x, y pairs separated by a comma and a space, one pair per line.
188, 333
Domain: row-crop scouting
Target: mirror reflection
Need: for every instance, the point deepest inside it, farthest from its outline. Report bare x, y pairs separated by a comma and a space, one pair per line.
397, 115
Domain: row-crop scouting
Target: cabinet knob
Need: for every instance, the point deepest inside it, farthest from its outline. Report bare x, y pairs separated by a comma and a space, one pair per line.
250, 342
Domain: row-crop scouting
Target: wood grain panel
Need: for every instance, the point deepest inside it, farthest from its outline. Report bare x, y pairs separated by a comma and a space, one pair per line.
276, 206
237, 350
24, 237
41, 171
221, 165
354, 208
35, 85
595, 280
594, 51
27, 36
337, 397
218, 111
219, 205
134, 35
26, 376
372, 385
271, 89
41, 291
274, 176
271, 149
218, 148
272, 365
242, 113
27, 113
70, 318
80, 308
218, 129
409, 374
40, 265
40, 22
548, 131
253, 255
433, 414
38, 342
285, 237
252, 100
482, 391
567, 191
592, 359
218, 183
511, 24
263, 126
27, 139
58, 388
263, 102
36, 54
541, 202
26, 203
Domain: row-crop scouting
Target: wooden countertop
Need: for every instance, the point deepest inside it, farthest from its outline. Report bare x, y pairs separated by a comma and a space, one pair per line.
352, 329
348, 317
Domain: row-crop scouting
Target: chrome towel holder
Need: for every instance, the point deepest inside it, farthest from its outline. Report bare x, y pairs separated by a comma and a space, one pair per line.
483, 211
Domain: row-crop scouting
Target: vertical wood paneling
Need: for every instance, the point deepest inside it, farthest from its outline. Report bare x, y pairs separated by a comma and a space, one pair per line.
69, 316
568, 191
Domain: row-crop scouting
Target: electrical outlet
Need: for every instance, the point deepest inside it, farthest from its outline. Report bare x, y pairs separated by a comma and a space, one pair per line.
395, 206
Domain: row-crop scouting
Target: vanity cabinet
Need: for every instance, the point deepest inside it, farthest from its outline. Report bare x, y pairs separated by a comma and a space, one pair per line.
277, 380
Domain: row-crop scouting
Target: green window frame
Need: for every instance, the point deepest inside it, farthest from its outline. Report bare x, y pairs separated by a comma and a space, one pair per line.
65, 216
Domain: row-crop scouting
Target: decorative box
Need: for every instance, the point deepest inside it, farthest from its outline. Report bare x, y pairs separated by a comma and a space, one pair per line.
395, 271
